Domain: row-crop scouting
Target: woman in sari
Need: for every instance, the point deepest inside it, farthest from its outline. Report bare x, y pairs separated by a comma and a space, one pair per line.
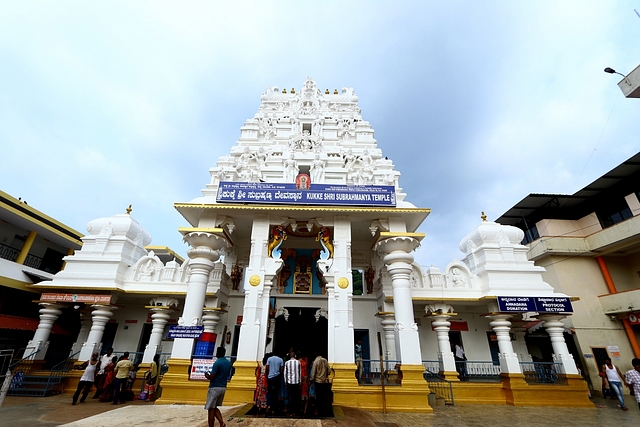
262, 387
109, 376
304, 385
151, 377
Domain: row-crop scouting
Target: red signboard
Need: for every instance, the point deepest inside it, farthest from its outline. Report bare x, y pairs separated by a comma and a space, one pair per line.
634, 319
131, 321
85, 298
457, 325
239, 320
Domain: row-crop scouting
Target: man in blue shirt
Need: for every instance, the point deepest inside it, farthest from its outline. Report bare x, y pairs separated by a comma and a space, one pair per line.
217, 386
275, 366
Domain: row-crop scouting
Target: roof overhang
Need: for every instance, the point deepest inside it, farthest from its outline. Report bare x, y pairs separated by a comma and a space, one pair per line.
193, 211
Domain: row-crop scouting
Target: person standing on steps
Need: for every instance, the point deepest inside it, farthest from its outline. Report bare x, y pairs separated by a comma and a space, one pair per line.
358, 352
320, 378
275, 367
217, 387
293, 379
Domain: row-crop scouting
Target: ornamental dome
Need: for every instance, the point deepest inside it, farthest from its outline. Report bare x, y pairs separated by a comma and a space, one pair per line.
119, 225
491, 233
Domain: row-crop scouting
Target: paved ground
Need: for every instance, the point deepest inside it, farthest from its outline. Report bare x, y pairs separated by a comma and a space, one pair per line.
57, 410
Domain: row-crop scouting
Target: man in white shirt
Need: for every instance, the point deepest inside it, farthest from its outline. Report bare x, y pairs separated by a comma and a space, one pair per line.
106, 359
461, 360
293, 380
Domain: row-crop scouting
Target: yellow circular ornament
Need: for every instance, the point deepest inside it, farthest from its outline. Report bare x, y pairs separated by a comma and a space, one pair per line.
343, 283
254, 280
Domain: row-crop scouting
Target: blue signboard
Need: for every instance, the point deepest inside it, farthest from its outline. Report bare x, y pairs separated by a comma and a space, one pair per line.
553, 305
539, 304
317, 194
516, 304
193, 332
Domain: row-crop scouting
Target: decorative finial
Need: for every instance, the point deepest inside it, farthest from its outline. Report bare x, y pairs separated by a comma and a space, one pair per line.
129, 210
284, 90
293, 90
335, 91
326, 91
484, 217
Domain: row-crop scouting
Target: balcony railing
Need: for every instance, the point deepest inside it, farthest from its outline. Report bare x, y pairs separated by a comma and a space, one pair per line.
432, 366
478, 371
371, 375
9, 253
437, 384
543, 373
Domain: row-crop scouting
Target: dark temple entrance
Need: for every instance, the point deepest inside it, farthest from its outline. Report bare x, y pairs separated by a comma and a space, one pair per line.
301, 332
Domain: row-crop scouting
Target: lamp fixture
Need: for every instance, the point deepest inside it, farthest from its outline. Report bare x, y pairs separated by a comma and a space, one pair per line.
610, 70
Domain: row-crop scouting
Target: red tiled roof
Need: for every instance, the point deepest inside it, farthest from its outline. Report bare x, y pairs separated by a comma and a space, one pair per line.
26, 324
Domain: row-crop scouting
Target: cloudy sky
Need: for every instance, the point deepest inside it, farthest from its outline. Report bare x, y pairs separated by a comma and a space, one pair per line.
103, 104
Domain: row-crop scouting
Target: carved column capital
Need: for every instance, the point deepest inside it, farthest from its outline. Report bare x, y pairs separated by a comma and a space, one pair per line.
397, 245
202, 238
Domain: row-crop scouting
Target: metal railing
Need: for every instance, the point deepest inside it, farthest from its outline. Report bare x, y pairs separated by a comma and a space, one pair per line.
371, 375
6, 356
432, 365
441, 387
9, 253
25, 383
543, 373
16, 376
33, 261
478, 371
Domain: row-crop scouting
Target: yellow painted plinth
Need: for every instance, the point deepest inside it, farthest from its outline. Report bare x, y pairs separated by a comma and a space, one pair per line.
243, 383
513, 390
177, 388
574, 394
410, 396
478, 393
451, 376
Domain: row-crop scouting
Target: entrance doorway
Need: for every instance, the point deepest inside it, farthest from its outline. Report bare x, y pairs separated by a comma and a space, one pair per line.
302, 332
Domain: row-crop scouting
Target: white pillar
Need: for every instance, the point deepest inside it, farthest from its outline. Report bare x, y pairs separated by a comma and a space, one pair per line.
258, 278
100, 315
520, 345
388, 322
272, 266
49, 313
203, 255
210, 320
555, 329
398, 261
159, 318
85, 326
340, 294
509, 363
441, 325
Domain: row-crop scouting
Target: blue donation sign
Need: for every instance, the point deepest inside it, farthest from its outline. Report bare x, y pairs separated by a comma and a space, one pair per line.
516, 304
539, 304
178, 331
317, 194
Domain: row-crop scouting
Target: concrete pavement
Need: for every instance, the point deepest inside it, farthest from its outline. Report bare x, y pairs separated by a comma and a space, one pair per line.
57, 410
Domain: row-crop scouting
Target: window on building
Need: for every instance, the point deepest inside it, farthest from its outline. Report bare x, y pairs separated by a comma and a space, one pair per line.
307, 127
614, 213
357, 282
530, 234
